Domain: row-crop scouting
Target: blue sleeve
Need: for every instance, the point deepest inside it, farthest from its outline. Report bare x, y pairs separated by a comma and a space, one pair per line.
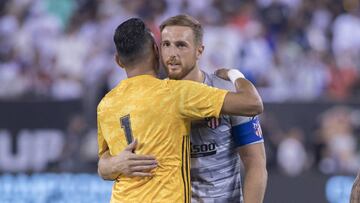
247, 133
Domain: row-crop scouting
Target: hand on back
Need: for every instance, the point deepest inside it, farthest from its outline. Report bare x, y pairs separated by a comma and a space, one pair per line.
130, 164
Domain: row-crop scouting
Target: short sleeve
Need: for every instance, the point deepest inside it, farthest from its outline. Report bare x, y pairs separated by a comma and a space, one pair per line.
196, 100
103, 147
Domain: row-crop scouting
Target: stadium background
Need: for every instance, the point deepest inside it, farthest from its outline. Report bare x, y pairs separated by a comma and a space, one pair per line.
56, 62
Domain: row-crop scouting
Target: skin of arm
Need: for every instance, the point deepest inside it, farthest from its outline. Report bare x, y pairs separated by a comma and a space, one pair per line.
254, 160
105, 169
245, 102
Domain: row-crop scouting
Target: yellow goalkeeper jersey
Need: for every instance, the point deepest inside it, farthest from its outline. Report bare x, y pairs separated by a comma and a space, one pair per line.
158, 114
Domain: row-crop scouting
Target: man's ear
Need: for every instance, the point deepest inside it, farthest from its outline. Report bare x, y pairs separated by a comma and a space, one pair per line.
157, 57
199, 51
156, 50
117, 60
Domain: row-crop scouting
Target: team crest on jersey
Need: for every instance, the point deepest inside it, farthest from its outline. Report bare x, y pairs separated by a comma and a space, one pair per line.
257, 129
213, 122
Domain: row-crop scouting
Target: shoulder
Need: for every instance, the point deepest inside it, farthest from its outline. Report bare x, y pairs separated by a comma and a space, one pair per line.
184, 84
221, 83
105, 102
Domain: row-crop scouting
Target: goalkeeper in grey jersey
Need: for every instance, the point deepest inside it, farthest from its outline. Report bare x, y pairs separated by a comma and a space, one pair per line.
215, 143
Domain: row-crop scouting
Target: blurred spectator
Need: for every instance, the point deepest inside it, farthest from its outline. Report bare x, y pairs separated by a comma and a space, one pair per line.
339, 142
346, 32
342, 80
273, 134
275, 17
71, 158
65, 88
292, 156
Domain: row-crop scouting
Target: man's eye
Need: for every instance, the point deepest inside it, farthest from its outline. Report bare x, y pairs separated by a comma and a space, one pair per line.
181, 45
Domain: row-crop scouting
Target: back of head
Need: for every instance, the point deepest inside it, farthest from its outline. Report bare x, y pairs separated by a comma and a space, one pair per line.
133, 41
186, 21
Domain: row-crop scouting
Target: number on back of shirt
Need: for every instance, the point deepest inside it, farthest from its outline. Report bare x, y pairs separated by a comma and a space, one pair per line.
126, 125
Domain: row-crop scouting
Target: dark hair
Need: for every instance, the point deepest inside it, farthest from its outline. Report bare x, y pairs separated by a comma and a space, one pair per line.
132, 40
187, 21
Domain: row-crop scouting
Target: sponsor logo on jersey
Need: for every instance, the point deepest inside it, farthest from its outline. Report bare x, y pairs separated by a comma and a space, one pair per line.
202, 150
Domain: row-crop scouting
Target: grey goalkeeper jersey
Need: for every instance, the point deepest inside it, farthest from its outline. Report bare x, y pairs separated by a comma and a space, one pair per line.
215, 163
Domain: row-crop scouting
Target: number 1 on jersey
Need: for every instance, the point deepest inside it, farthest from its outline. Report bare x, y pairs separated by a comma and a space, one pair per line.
126, 125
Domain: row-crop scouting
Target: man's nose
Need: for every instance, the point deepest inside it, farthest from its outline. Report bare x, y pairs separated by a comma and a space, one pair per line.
172, 52
172, 58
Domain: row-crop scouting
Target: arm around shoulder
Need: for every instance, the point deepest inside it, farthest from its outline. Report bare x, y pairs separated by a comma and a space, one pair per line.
246, 101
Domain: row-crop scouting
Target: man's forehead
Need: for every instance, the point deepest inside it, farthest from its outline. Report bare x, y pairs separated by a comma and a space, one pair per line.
177, 33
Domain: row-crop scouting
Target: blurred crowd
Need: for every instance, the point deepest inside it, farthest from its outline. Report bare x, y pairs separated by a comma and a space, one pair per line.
290, 49
330, 145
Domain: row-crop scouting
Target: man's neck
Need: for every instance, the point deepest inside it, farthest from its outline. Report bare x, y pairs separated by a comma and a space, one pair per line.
132, 72
195, 75
141, 68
